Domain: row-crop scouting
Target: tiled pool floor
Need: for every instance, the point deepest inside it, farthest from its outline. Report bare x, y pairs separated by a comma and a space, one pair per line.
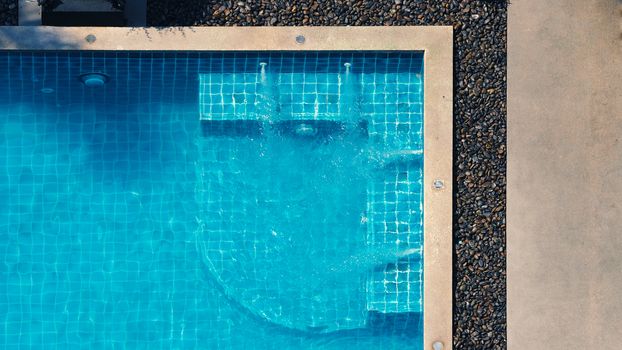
125, 226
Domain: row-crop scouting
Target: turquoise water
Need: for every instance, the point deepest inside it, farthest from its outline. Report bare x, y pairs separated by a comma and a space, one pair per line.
211, 201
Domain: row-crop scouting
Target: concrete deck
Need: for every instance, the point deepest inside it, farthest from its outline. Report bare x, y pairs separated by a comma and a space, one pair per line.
564, 230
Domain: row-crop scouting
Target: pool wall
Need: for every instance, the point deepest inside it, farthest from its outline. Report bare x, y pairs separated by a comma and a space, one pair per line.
435, 42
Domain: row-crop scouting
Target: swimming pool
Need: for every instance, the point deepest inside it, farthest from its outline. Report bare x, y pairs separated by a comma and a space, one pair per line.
217, 200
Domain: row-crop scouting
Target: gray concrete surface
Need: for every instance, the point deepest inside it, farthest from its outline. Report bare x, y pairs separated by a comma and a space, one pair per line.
85, 5
564, 218
136, 13
29, 13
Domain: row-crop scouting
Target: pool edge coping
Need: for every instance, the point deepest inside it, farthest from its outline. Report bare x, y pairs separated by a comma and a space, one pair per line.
435, 41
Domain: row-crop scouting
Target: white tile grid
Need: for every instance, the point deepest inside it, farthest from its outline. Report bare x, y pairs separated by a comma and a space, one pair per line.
230, 96
310, 96
395, 110
394, 218
395, 203
395, 116
236, 96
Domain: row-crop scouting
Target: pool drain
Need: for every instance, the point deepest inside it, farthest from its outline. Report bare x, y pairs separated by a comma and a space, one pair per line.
305, 130
93, 79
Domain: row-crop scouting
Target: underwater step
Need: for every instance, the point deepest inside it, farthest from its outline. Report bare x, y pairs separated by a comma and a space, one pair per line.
395, 323
396, 287
394, 218
306, 128
260, 95
231, 128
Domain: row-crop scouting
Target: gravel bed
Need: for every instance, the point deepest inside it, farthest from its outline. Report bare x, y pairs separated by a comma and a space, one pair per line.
8, 12
479, 117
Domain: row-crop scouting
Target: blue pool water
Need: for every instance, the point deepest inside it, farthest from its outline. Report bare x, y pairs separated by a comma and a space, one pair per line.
211, 201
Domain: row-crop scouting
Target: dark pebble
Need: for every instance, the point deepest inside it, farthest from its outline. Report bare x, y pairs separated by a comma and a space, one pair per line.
8, 12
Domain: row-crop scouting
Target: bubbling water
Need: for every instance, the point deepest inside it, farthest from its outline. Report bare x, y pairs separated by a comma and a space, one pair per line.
267, 92
371, 257
280, 213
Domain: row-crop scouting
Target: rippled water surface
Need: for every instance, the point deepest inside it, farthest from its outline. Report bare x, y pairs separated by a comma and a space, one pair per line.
196, 201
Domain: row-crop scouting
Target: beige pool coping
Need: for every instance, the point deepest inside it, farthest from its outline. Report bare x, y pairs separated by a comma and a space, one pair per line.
436, 43
564, 187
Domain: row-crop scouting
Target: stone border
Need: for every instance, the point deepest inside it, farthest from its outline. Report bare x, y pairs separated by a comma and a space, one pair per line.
435, 42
